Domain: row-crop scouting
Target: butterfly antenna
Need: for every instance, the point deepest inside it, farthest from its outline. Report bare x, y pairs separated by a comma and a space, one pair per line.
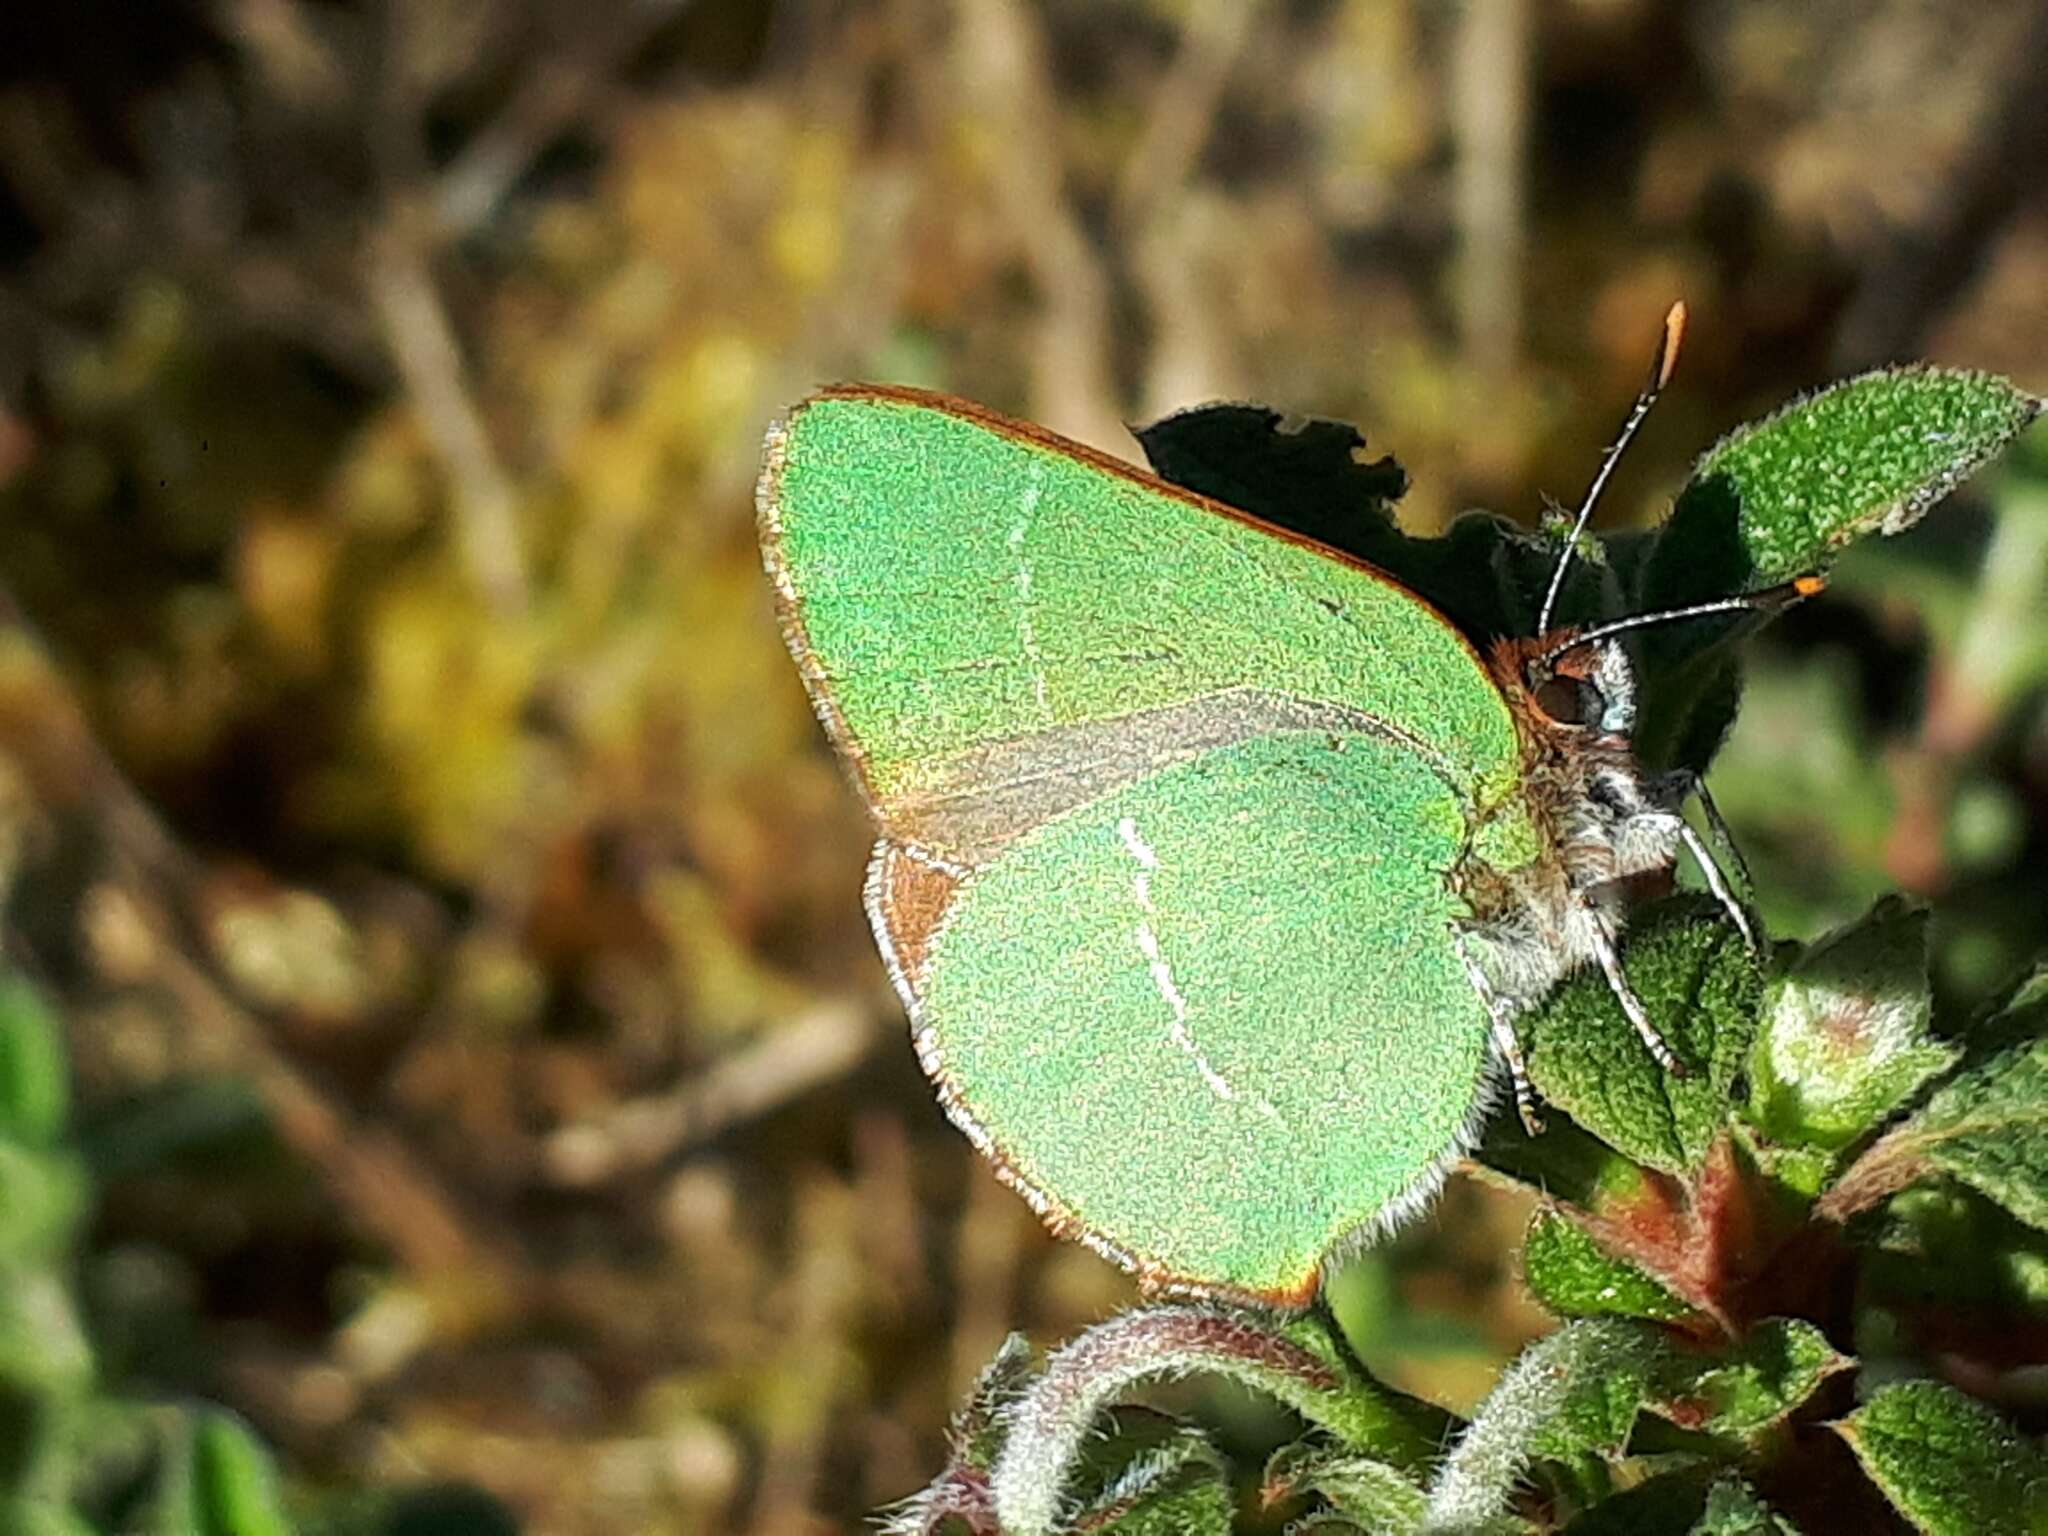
1770, 600
1661, 367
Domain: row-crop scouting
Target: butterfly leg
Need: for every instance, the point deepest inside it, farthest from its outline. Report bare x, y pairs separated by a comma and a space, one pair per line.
1710, 867
1505, 1040
1717, 882
1638, 1015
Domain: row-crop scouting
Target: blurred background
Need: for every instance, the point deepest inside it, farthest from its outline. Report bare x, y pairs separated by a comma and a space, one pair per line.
483, 1077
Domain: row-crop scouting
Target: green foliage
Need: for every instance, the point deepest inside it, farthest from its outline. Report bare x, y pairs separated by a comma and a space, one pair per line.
1302, 1362
1691, 1502
1697, 978
1949, 1464
1733, 1509
1572, 1275
1836, 1154
1783, 497
1617, 1370
216, 1480
1362, 1489
35, 1089
1869, 455
1847, 1037
1153, 1478
1988, 1128
75, 1459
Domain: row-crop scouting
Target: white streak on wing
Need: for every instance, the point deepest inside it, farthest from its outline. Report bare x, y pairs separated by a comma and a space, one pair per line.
1027, 626
1162, 974
1128, 834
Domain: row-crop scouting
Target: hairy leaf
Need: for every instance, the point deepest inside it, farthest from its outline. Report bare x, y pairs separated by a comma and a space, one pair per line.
977, 1430
1158, 1480
1780, 498
1845, 1039
1581, 1391
1990, 1130
1868, 455
1737, 1393
1700, 984
1696, 1501
1301, 1362
1574, 1276
1988, 1127
1733, 1509
1374, 1496
2020, 1015
1948, 1463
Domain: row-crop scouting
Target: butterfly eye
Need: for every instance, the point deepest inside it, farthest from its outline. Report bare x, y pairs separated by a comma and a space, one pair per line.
1569, 701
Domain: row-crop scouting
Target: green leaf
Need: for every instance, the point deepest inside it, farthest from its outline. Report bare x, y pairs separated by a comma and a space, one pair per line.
1868, 455
1574, 1276
1581, 1391
2020, 1015
1152, 1477
43, 1197
1695, 1501
959, 1495
1949, 1464
39, 1517
977, 1429
1362, 1412
1736, 1394
234, 1481
1780, 498
1302, 1362
35, 1088
1548, 1384
1700, 984
1943, 1246
1987, 1127
1372, 1495
1565, 1162
216, 1479
41, 1344
1776, 1368
1733, 1509
1845, 1038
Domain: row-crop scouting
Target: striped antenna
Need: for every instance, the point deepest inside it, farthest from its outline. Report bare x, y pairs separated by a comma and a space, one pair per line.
1661, 367
1769, 600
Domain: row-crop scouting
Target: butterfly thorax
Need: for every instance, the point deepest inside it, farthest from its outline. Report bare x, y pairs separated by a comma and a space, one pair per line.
1599, 824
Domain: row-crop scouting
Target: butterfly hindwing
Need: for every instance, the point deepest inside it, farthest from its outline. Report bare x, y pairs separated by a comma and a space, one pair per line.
1212, 1021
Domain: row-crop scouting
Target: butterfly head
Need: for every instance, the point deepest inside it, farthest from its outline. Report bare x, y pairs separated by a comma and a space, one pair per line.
1588, 688
1569, 699
1580, 679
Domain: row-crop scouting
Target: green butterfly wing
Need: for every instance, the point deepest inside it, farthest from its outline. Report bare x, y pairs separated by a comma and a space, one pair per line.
1169, 805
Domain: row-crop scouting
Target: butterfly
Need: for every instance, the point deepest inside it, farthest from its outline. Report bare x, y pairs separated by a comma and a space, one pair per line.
1215, 865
